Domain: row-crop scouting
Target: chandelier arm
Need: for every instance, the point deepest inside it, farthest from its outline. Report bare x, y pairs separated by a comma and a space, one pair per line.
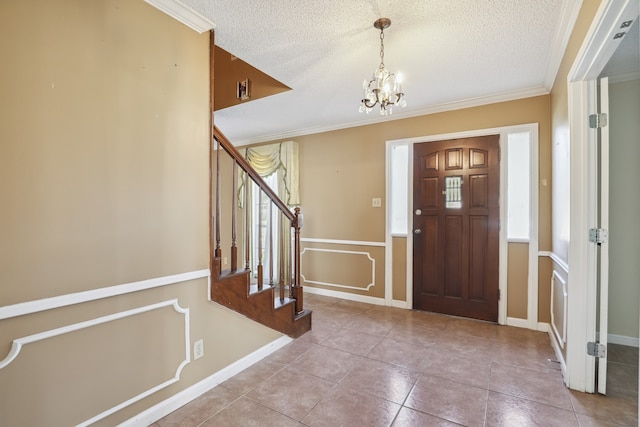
368, 104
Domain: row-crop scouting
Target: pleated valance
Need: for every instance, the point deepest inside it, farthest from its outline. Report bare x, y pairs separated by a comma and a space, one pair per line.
281, 158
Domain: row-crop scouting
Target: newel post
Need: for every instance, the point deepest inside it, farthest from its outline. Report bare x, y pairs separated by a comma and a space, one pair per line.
297, 287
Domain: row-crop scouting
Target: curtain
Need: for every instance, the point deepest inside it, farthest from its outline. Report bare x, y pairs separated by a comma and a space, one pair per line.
279, 158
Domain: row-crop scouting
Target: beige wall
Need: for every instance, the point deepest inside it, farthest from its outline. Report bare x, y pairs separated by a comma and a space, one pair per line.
624, 205
399, 268
342, 170
104, 180
560, 144
517, 279
560, 133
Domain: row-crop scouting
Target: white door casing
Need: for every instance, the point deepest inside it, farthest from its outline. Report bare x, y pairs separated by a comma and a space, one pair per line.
596, 51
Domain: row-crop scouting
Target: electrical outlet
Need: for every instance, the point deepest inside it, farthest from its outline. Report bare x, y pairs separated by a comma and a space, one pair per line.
198, 349
376, 202
225, 260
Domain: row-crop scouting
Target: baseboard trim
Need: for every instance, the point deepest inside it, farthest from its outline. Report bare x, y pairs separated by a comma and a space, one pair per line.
558, 353
344, 295
517, 322
185, 396
400, 304
543, 327
623, 340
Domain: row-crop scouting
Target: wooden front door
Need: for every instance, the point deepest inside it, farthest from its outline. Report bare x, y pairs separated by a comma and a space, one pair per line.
456, 223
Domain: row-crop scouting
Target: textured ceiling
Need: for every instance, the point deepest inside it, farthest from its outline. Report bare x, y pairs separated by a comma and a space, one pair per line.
451, 53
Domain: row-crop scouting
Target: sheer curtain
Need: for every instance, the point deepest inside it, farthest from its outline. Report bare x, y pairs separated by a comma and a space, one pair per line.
282, 160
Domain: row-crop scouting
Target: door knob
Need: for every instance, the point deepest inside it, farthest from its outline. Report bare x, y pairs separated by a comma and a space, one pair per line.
417, 231
418, 212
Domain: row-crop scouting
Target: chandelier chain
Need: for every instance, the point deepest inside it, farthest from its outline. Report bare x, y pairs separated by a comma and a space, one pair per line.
382, 47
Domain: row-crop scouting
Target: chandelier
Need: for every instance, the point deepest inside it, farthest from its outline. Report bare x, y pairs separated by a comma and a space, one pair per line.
384, 88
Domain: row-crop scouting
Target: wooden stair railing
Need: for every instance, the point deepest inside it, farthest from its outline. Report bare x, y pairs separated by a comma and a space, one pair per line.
236, 288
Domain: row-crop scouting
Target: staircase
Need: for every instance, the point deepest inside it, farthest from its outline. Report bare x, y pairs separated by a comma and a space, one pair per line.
277, 304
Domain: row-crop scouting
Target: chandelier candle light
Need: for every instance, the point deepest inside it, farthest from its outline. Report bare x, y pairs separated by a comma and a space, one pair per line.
384, 88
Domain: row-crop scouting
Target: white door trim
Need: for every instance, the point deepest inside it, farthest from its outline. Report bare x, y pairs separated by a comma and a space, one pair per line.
532, 289
596, 51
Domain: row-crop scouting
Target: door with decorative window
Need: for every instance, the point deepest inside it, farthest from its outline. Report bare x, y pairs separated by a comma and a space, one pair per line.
456, 219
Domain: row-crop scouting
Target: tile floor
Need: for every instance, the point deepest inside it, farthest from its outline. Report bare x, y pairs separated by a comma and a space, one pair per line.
366, 365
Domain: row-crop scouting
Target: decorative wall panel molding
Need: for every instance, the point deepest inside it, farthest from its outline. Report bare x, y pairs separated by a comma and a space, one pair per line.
35, 306
559, 308
19, 344
371, 284
343, 242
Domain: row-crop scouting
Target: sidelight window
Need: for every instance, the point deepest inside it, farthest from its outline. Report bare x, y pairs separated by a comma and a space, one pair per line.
518, 186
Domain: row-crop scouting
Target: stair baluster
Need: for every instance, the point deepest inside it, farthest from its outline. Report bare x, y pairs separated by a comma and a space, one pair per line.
281, 237
247, 226
235, 289
234, 213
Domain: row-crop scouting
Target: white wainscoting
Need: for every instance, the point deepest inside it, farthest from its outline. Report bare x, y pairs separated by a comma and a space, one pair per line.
35, 306
19, 343
367, 287
559, 306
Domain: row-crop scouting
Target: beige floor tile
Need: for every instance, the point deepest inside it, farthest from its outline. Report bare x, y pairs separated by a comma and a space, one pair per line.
291, 393
587, 421
360, 362
472, 371
540, 386
450, 400
372, 325
333, 318
249, 378
353, 307
387, 313
469, 327
426, 320
611, 409
412, 418
199, 410
381, 379
415, 333
315, 301
246, 412
515, 354
291, 351
465, 346
352, 341
403, 354
319, 333
347, 407
327, 363
508, 411
522, 337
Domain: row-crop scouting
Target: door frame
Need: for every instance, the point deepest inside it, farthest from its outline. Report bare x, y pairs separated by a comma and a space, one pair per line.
594, 54
532, 287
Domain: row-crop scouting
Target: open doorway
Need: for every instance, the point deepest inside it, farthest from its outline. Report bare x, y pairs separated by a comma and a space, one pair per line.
589, 310
623, 75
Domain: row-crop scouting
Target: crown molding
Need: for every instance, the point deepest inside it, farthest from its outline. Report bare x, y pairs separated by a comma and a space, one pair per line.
439, 108
179, 11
